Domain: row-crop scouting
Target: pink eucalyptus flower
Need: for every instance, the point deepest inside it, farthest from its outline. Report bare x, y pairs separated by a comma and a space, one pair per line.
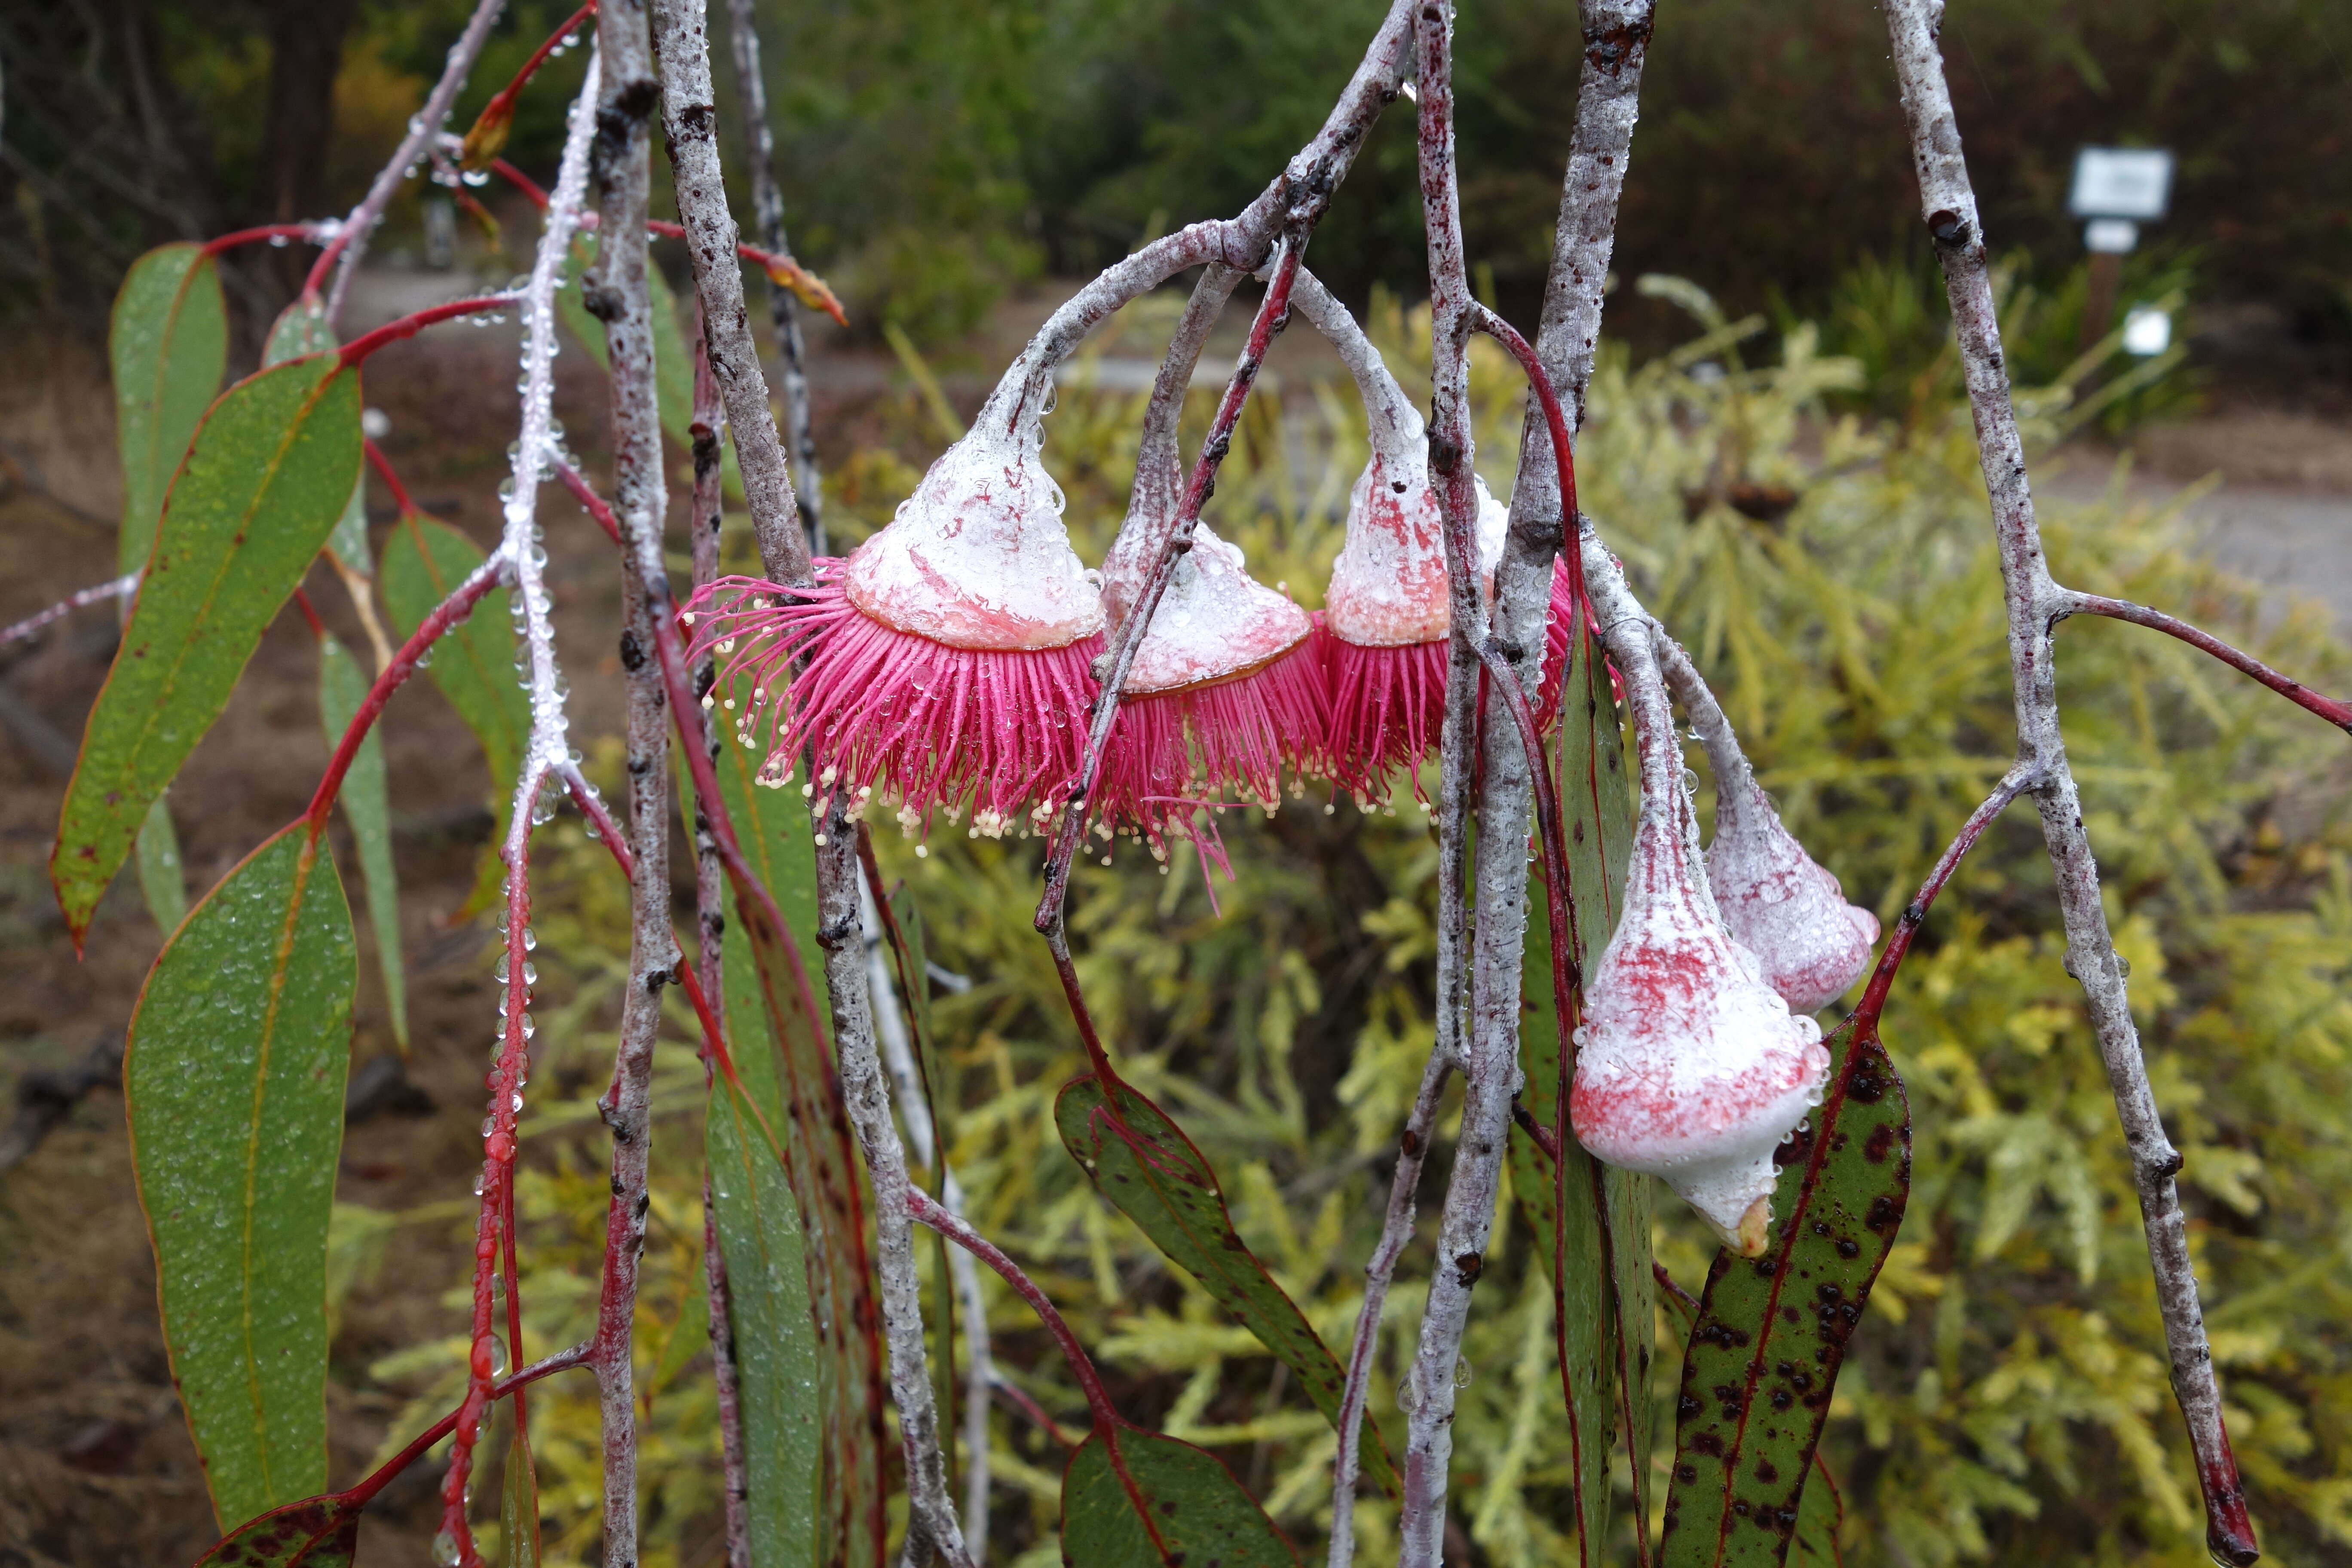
946, 660
1689, 1067
1782, 905
1386, 614
1224, 691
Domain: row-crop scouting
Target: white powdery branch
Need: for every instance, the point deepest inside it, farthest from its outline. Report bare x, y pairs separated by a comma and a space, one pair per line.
2034, 604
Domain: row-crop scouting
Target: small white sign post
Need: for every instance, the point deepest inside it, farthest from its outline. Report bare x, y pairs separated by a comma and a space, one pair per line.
2116, 190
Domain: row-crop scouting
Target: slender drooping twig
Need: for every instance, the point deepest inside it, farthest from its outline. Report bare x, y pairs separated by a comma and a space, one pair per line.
1490, 1057
122, 587
615, 290
547, 751
351, 241
2035, 603
2077, 604
689, 120
768, 205
703, 521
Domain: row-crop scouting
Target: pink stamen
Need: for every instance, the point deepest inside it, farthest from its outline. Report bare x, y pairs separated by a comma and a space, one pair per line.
889, 713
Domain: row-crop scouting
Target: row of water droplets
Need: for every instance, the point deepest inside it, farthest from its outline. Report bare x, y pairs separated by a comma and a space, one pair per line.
548, 753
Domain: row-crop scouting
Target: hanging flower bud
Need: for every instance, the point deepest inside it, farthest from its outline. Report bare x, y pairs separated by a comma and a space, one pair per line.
1222, 693
1386, 614
1689, 1067
946, 660
1782, 905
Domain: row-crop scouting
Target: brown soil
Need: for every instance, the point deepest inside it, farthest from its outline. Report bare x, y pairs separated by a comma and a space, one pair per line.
96, 1465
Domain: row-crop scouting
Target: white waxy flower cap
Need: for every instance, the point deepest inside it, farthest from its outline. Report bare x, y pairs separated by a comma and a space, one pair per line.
1690, 1066
1782, 905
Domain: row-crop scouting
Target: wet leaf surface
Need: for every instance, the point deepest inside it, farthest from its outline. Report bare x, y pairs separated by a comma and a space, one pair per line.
316, 1533
269, 470
234, 1073
1176, 1507
168, 343
367, 806
1595, 1286
1159, 1180
301, 329
1772, 1331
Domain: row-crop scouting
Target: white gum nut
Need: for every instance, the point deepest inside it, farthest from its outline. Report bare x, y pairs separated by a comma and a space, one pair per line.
1689, 1067
1784, 906
1213, 622
978, 557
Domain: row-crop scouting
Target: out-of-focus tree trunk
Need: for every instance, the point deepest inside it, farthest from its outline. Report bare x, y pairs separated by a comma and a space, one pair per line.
306, 50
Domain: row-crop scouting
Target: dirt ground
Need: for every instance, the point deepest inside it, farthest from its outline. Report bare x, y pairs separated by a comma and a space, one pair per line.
96, 1465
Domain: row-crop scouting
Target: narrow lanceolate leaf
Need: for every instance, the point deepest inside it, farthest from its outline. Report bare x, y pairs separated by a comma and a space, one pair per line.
519, 1499
776, 1354
1772, 1332
168, 343
673, 367
771, 1009
162, 879
473, 664
1132, 1499
234, 1072
316, 1533
367, 804
1143, 1162
1599, 1271
270, 467
301, 329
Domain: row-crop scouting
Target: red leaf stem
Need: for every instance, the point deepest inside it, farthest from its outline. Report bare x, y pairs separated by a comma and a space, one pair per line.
359, 348
927, 1211
448, 614
1563, 452
2019, 781
2337, 713
383, 470
383, 1474
306, 232
1273, 313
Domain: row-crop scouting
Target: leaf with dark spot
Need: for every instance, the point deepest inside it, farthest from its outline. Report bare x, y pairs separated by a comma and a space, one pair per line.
1771, 1335
316, 1533
1132, 1499
1143, 1162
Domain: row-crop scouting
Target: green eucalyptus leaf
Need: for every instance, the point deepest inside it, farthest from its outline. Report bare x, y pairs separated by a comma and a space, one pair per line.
1772, 1331
1132, 1499
774, 1337
234, 1075
772, 1019
1143, 1162
316, 1533
270, 467
518, 1543
301, 329
473, 664
367, 804
168, 345
163, 879
1579, 1210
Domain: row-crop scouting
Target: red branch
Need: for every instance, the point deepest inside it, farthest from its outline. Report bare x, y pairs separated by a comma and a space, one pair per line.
306, 232
448, 614
382, 466
925, 1210
359, 348
383, 1474
2018, 782
2337, 713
